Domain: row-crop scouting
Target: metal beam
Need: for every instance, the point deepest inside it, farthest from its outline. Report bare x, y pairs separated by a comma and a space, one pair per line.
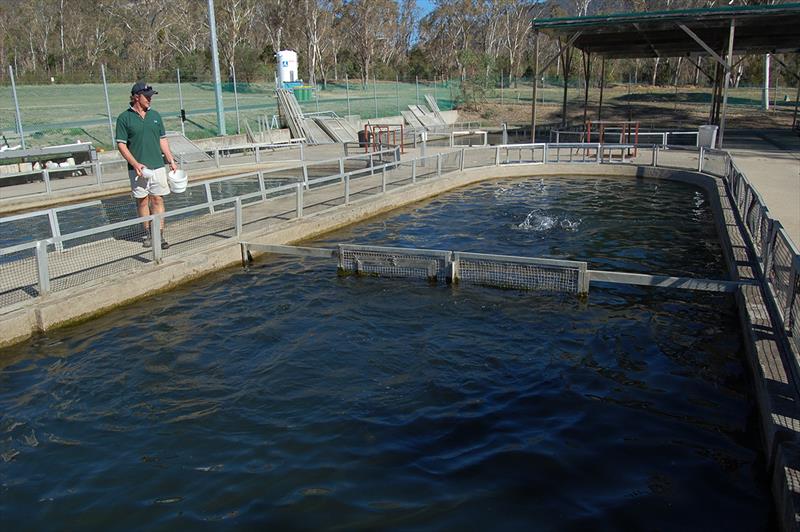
788, 69
647, 39
665, 281
702, 43
701, 69
568, 43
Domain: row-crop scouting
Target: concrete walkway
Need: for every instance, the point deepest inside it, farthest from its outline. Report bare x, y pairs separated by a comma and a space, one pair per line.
771, 161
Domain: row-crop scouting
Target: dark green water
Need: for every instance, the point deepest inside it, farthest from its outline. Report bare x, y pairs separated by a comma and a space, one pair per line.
286, 397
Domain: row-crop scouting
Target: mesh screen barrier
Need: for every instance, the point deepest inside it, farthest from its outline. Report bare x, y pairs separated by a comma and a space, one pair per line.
518, 273
192, 232
479, 157
390, 262
779, 274
92, 257
18, 277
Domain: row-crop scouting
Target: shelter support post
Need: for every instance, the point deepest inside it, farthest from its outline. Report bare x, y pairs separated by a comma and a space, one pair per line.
535, 84
587, 74
602, 86
727, 83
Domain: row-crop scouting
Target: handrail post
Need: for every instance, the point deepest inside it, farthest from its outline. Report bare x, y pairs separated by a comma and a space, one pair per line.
438, 165
299, 209
55, 229
700, 159
341, 167
413, 170
261, 185
98, 172
238, 216
655, 155
258, 154
42, 267
209, 199
497, 156
302, 152
346, 189
46, 177
383, 179
216, 157
155, 236
461, 165
305, 175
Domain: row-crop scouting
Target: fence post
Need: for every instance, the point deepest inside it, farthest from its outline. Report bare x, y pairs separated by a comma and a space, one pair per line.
438, 165
375, 94
108, 105
42, 267
155, 236
700, 159
236, 100
16, 106
180, 103
347, 92
238, 216
346, 189
299, 200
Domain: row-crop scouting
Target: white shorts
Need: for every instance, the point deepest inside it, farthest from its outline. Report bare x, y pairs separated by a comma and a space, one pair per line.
141, 187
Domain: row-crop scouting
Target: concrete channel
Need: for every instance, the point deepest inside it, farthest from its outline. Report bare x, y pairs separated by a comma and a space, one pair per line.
771, 357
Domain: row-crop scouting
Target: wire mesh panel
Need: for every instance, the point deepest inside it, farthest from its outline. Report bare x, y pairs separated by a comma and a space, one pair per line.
197, 232
18, 276
426, 167
451, 161
232, 187
521, 273
393, 262
15, 185
90, 257
715, 162
479, 157
782, 272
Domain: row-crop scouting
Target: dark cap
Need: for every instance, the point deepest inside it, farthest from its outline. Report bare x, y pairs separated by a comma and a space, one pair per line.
140, 87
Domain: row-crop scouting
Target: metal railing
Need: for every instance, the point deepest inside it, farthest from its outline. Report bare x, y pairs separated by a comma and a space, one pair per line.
34, 268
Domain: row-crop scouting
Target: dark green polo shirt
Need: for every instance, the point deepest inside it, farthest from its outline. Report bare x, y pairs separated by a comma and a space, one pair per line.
142, 135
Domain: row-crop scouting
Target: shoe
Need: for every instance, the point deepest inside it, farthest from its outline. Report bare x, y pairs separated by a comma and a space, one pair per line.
164, 244
146, 242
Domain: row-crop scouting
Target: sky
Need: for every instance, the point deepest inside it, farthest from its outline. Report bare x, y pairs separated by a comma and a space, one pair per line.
425, 7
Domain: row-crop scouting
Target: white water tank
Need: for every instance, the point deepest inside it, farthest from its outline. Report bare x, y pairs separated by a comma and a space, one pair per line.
287, 66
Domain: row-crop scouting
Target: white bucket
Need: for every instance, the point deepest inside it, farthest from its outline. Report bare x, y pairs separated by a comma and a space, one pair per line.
177, 181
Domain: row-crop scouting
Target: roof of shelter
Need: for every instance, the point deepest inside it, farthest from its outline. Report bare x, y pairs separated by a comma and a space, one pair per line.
758, 29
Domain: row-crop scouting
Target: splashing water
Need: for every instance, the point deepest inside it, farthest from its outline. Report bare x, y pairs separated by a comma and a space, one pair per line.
539, 221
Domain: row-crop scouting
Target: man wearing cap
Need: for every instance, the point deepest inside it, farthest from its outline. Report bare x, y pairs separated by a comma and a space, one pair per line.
141, 139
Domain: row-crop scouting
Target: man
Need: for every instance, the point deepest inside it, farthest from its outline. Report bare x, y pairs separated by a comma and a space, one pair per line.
141, 139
